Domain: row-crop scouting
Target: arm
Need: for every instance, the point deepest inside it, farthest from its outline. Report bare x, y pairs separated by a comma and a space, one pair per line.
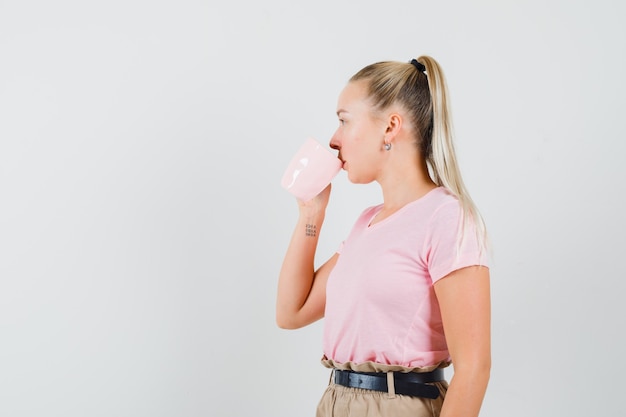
301, 295
464, 300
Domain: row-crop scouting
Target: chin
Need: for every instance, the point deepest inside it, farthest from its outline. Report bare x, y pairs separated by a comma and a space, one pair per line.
351, 178
355, 179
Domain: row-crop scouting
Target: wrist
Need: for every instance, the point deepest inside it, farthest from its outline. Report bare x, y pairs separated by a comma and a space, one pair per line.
310, 223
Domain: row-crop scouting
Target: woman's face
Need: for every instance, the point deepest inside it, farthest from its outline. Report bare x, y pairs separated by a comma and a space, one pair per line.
360, 135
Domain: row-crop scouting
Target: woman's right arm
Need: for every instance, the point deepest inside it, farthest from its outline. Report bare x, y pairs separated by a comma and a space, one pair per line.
301, 295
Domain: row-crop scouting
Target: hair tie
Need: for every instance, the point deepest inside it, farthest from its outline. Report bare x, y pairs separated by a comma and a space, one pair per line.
420, 67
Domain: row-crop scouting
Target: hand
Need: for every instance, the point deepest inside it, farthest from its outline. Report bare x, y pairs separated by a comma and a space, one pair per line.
317, 204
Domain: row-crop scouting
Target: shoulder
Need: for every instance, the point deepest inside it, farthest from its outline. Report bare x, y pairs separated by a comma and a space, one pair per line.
446, 216
441, 196
440, 203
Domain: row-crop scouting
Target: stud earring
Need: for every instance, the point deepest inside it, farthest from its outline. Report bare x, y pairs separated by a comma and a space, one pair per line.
387, 146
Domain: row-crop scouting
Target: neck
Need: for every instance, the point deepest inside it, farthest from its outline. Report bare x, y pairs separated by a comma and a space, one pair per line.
405, 183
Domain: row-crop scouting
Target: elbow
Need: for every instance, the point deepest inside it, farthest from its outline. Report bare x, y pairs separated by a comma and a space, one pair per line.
482, 366
483, 370
477, 369
282, 324
291, 319
286, 323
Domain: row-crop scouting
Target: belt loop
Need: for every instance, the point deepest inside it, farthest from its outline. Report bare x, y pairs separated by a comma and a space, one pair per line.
332, 376
391, 386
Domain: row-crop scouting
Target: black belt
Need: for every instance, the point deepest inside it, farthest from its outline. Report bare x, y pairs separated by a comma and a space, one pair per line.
413, 384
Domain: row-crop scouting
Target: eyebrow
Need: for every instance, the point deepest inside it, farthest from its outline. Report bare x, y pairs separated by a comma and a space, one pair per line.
341, 111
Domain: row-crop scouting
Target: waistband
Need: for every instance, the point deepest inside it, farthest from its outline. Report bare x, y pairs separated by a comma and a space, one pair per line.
379, 367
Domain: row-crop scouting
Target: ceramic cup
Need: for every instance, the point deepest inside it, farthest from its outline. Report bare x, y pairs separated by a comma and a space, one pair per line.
310, 170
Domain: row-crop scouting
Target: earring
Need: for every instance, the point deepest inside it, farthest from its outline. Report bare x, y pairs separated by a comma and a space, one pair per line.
387, 146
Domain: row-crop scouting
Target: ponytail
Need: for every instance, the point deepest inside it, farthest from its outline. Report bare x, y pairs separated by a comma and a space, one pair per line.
442, 159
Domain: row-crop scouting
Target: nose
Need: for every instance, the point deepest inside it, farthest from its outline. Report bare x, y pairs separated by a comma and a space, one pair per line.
334, 142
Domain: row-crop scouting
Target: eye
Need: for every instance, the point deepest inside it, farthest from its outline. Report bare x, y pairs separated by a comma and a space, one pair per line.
342, 122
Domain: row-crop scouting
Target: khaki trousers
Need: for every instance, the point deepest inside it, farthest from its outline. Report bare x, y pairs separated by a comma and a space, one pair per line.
340, 401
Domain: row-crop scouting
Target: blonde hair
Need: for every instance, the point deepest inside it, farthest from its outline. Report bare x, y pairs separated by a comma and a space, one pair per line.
425, 96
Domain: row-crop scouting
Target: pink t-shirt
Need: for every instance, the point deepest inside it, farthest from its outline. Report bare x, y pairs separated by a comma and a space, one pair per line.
380, 302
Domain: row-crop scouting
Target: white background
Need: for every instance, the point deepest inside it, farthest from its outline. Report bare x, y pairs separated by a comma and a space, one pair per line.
142, 223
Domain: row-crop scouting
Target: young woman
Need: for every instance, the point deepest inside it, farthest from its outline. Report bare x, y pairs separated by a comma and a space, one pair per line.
407, 293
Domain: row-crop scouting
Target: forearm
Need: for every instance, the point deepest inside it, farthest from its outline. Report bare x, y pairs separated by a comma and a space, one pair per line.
466, 392
297, 273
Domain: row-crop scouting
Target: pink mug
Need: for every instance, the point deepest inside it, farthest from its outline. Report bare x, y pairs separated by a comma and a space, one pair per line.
311, 169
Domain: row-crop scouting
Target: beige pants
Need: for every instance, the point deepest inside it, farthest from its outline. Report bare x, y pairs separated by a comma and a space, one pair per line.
340, 401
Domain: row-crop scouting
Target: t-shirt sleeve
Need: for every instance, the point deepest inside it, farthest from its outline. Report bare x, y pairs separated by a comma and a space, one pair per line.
443, 252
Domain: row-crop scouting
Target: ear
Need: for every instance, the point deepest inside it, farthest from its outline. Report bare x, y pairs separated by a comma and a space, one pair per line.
394, 124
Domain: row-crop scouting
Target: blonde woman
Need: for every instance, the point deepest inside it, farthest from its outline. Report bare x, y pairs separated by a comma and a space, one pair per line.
407, 293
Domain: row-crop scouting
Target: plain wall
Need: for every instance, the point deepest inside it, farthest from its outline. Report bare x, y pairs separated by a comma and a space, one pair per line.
142, 223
